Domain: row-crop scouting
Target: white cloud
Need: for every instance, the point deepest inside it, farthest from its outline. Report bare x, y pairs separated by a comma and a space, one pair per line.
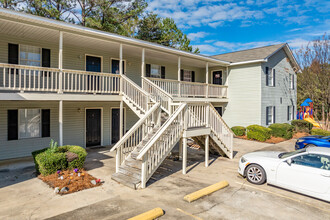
197, 36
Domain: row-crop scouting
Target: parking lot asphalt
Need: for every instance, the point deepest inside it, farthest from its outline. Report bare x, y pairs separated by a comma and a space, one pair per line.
29, 198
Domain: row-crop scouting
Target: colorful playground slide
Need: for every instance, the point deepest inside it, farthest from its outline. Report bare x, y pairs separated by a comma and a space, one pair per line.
315, 124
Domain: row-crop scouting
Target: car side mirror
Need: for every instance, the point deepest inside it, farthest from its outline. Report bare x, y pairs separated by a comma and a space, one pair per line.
289, 161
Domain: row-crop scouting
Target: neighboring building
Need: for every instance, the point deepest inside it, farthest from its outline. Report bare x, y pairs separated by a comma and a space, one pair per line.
261, 86
69, 83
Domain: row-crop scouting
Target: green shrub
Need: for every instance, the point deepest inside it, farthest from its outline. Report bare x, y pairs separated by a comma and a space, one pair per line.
48, 161
81, 152
320, 132
238, 130
302, 126
282, 130
259, 133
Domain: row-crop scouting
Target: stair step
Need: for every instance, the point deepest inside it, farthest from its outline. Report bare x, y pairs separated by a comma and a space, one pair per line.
130, 171
133, 163
126, 180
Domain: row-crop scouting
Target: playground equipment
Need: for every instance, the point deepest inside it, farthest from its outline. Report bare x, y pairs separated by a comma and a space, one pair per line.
306, 112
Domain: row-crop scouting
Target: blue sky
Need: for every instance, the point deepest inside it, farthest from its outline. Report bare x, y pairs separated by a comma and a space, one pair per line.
220, 26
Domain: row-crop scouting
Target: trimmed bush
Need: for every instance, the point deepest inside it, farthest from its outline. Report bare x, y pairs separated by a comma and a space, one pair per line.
81, 152
48, 162
259, 133
238, 130
320, 132
302, 126
282, 130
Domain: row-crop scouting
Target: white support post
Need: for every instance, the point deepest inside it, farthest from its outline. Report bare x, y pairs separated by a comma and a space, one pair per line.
180, 149
179, 76
143, 65
118, 159
144, 173
60, 63
121, 67
60, 122
184, 152
207, 79
207, 140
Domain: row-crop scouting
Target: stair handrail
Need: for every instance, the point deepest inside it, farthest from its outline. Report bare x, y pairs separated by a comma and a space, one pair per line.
146, 96
135, 127
169, 101
220, 118
160, 131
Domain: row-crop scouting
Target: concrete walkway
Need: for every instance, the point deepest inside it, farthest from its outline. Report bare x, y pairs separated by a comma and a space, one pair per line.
23, 196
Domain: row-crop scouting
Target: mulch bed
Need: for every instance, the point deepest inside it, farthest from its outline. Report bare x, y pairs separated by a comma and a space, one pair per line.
272, 140
71, 180
300, 134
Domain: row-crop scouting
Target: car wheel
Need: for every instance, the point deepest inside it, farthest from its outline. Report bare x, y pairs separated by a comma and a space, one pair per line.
310, 145
255, 174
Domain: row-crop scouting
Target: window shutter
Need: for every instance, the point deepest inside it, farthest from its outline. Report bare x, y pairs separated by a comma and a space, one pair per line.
181, 75
13, 53
45, 117
45, 57
288, 113
267, 76
162, 72
274, 115
148, 67
293, 114
292, 81
267, 111
192, 76
12, 125
273, 77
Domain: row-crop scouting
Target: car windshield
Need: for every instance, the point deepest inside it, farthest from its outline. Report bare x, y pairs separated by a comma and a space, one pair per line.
289, 154
326, 137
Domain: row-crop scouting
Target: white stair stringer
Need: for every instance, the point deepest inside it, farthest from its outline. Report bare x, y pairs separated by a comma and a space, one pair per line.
134, 107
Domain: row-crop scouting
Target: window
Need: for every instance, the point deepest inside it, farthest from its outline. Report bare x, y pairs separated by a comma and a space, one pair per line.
270, 115
30, 55
313, 160
29, 123
290, 113
270, 76
291, 81
187, 75
155, 71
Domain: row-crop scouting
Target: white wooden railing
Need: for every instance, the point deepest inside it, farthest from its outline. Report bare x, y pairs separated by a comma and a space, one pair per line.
158, 147
135, 94
158, 94
221, 129
90, 82
28, 78
197, 115
136, 134
190, 89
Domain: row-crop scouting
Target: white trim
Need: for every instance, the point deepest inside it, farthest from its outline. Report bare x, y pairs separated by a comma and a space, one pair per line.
223, 70
125, 116
86, 108
91, 55
124, 60
40, 21
249, 61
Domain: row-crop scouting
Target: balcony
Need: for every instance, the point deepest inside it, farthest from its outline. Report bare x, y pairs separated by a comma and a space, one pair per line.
185, 89
28, 78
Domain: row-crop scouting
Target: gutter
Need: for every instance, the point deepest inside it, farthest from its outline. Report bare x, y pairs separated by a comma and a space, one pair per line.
250, 61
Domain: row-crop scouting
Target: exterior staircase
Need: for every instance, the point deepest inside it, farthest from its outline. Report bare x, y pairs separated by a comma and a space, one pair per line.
161, 126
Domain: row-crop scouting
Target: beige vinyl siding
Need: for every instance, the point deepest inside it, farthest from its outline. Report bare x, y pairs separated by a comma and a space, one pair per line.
244, 93
271, 96
73, 125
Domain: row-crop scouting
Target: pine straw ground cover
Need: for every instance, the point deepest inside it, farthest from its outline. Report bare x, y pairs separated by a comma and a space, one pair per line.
71, 180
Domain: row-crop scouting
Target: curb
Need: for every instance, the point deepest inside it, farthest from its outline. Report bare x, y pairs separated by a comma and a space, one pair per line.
149, 215
206, 191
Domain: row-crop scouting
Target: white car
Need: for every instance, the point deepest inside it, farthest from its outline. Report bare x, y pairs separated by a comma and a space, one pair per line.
306, 171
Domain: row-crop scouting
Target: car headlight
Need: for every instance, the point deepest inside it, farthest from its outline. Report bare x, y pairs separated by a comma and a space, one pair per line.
299, 141
243, 160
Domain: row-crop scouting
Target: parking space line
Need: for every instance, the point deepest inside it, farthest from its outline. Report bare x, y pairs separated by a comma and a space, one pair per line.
283, 196
187, 213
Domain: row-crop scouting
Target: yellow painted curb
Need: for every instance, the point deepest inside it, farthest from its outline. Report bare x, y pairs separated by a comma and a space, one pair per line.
206, 191
149, 215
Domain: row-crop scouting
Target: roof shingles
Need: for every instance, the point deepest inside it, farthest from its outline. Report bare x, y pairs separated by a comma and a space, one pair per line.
250, 54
